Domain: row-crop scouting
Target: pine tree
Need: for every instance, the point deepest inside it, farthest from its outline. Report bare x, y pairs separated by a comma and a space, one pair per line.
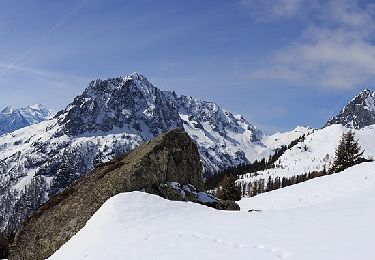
229, 190
348, 153
270, 184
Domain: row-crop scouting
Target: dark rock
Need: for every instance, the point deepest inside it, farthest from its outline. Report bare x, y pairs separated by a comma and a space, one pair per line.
170, 193
171, 156
226, 205
358, 113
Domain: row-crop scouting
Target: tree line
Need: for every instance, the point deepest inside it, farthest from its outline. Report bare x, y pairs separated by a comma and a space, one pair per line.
214, 180
347, 154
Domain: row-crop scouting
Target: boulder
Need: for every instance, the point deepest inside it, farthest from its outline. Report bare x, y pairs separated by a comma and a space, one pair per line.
170, 157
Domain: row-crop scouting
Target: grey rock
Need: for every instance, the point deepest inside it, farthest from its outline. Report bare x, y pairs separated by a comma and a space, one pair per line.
170, 157
358, 113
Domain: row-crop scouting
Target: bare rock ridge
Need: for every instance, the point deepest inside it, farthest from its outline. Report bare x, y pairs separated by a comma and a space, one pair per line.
358, 113
172, 156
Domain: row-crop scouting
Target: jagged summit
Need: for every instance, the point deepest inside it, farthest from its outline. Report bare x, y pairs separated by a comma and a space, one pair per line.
131, 104
358, 113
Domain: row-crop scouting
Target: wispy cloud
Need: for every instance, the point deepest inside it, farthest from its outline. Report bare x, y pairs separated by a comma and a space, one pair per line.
271, 9
32, 71
334, 51
13, 64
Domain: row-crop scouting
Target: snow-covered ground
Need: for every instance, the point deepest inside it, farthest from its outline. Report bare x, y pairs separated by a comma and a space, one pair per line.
285, 138
331, 217
315, 153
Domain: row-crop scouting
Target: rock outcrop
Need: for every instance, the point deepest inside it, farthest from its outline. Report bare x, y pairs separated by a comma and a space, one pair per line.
170, 157
358, 113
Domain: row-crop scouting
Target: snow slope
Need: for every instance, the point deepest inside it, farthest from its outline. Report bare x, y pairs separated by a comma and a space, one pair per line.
278, 139
325, 218
315, 153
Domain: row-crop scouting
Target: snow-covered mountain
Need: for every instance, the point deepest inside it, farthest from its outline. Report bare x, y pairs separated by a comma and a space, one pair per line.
315, 153
12, 118
110, 118
358, 113
133, 105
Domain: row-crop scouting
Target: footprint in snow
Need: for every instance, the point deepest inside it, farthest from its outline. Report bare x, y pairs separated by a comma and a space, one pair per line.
272, 250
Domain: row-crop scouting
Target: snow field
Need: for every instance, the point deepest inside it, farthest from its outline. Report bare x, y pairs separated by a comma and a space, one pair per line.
331, 218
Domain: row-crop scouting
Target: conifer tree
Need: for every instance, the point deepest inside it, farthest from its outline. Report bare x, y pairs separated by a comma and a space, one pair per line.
270, 184
229, 190
348, 153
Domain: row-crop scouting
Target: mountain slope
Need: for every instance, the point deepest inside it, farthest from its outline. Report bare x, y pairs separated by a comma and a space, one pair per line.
224, 139
12, 118
315, 153
110, 118
324, 218
358, 113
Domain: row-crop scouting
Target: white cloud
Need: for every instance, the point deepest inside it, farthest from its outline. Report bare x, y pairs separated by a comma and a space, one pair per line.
335, 52
269, 9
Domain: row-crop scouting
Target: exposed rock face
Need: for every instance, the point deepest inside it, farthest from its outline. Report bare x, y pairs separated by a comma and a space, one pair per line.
360, 111
170, 157
131, 104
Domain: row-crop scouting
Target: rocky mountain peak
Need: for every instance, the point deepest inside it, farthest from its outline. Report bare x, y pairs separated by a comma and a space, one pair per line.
358, 113
131, 104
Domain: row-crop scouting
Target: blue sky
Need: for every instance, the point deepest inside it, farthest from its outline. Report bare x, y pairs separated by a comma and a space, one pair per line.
280, 63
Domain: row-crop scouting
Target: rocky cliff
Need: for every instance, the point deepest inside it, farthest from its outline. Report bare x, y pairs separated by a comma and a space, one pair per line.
170, 157
358, 113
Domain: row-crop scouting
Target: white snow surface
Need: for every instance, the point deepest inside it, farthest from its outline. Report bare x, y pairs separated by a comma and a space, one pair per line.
315, 153
331, 217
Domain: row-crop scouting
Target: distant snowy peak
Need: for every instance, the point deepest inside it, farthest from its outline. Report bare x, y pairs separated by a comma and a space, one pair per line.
360, 111
12, 118
36, 113
8, 110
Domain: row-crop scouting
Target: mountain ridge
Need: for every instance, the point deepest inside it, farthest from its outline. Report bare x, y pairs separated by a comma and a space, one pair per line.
358, 113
